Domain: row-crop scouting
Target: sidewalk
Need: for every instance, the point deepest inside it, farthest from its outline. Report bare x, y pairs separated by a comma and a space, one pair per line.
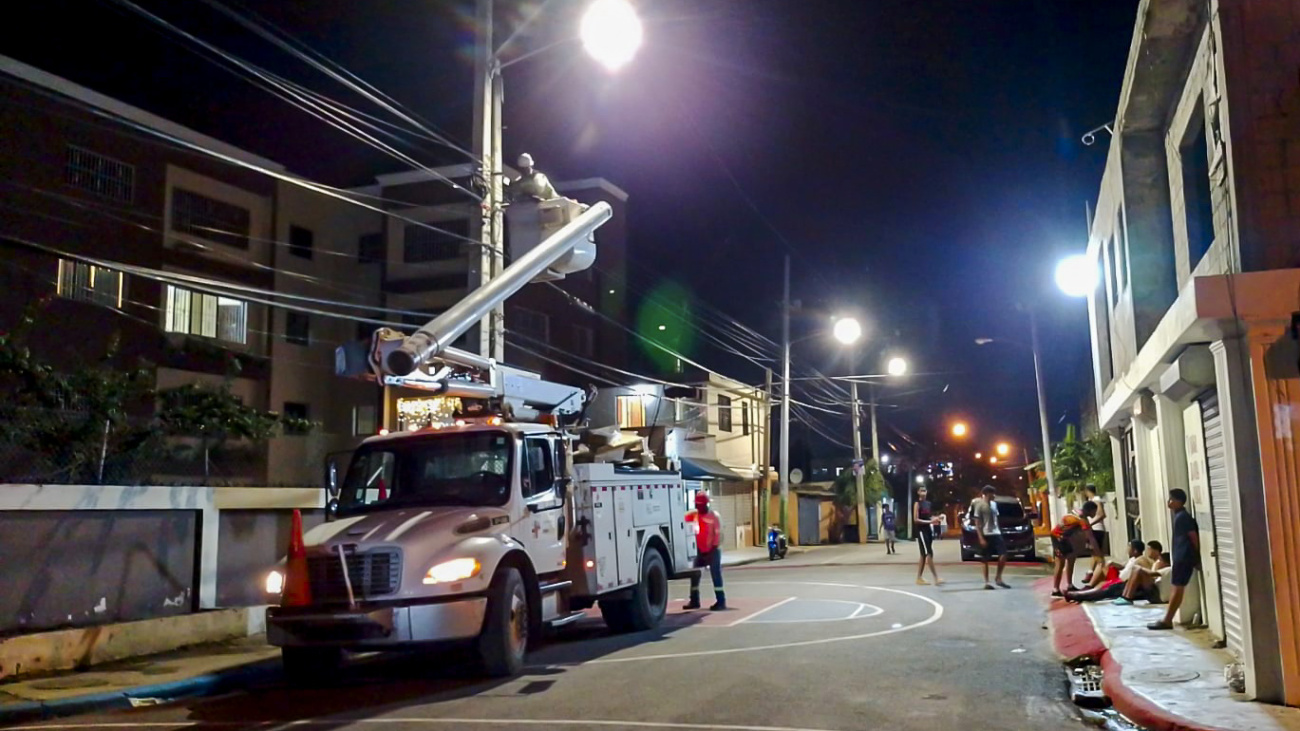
750, 554
199, 670
1163, 681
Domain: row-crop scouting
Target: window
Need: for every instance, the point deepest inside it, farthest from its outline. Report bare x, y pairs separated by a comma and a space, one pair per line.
469, 469
301, 242
1199, 205
205, 315
87, 283
363, 421
100, 175
214, 220
724, 413
531, 324
297, 328
370, 248
744, 418
1128, 464
538, 473
294, 410
584, 341
631, 411
421, 244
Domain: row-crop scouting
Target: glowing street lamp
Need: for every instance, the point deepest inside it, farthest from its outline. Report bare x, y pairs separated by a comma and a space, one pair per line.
993, 460
979, 455
611, 33
896, 366
959, 429
1076, 275
847, 330
1003, 449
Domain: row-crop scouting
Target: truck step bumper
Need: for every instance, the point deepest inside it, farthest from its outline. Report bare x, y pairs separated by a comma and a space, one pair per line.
376, 628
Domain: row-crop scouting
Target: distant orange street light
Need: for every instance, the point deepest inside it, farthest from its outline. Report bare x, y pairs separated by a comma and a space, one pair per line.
1003, 449
993, 460
959, 429
979, 455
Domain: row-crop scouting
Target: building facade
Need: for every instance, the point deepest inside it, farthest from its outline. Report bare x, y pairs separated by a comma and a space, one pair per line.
1197, 232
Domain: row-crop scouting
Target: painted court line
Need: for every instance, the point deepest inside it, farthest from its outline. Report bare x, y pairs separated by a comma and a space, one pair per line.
768, 608
334, 723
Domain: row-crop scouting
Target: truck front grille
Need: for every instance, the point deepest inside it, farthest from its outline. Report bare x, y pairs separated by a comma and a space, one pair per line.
373, 574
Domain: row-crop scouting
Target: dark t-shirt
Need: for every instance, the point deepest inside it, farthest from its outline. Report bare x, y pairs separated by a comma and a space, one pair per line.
1184, 552
887, 520
923, 511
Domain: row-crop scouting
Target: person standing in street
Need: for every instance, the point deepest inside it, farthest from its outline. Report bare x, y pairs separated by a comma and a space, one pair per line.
1186, 556
1098, 526
1064, 536
984, 511
923, 527
708, 544
887, 528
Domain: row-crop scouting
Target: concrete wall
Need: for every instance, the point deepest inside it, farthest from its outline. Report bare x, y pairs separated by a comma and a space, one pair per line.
83, 556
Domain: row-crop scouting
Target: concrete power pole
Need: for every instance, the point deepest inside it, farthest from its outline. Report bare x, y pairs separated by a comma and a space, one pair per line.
859, 466
784, 468
764, 462
488, 100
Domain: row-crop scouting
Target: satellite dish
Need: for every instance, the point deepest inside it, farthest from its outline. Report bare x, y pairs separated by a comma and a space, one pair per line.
796, 476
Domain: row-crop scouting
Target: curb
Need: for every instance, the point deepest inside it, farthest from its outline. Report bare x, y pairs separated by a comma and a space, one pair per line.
1073, 634
155, 694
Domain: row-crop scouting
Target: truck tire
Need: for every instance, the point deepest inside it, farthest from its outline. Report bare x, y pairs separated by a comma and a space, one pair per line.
309, 664
646, 608
504, 641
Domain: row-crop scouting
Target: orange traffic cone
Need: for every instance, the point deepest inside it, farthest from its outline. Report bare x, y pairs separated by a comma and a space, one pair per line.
297, 586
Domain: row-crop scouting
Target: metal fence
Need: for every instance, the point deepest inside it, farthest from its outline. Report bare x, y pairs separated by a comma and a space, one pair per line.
56, 446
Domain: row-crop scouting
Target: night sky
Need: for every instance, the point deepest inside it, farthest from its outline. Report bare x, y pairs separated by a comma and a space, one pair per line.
921, 161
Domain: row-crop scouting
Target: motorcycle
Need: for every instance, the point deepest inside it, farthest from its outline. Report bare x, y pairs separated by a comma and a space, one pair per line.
777, 545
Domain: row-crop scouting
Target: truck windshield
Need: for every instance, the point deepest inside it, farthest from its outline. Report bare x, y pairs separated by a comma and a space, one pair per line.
450, 468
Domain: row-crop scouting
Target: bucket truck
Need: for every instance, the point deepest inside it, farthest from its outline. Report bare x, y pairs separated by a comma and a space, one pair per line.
489, 531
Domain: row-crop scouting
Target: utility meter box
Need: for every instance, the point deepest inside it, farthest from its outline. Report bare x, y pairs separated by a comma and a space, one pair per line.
529, 223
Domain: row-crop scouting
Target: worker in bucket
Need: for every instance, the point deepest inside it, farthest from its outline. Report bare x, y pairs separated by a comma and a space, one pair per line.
708, 542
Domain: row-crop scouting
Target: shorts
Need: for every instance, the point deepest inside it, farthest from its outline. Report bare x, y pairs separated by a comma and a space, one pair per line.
925, 540
1063, 547
1181, 575
1103, 541
996, 546
889, 534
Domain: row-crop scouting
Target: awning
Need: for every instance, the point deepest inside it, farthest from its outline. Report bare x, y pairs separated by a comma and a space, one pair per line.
699, 468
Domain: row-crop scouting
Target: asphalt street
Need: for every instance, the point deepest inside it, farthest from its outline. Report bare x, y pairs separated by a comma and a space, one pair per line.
831, 639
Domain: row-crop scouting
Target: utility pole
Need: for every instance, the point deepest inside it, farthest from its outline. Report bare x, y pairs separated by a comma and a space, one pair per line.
1042, 416
488, 101
764, 463
784, 469
859, 466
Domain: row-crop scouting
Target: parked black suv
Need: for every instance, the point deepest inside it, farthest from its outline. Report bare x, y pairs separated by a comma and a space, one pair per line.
1017, 531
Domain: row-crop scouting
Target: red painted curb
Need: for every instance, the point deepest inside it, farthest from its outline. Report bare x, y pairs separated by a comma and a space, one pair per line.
1073, 634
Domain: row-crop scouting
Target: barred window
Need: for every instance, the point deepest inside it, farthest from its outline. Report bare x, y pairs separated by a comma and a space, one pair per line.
205, 315
297, 328
211, 219
421, 244
88, 283
100, 175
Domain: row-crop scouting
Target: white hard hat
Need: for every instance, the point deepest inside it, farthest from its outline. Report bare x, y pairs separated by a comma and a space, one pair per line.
525, 160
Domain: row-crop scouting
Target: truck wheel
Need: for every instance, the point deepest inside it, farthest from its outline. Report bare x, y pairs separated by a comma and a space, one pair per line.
308, 664
504, 641
617, 614
649, 600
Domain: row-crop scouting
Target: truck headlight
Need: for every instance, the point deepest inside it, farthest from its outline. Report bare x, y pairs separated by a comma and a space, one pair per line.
457, 569
274, 582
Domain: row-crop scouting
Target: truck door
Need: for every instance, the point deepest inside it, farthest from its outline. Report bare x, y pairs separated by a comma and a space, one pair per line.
540, 529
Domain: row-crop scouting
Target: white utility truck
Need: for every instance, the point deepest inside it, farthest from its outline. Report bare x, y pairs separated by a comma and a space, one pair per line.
488, 531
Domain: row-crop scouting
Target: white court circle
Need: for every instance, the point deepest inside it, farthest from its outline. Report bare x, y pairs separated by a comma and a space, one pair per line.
934, 617
861, 610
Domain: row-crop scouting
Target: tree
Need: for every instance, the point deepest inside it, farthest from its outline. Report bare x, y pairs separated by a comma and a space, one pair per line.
845, 488
1078, 463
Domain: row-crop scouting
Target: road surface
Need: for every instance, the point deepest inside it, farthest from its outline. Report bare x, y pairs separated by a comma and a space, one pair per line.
822, 641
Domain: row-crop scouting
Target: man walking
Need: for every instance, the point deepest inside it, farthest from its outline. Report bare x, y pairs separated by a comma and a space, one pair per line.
888, 524
1186, 556
708, 544
985, 514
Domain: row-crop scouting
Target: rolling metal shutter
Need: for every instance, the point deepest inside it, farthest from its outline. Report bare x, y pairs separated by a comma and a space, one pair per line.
1216, 462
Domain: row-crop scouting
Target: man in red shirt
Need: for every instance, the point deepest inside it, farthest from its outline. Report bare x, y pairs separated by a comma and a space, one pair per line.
708, 544
1063, 537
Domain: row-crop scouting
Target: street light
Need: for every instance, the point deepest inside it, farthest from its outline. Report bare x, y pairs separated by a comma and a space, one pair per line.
611, 33
1003, 449
847, 330
979, 455
959, 429
993, 460
896, 366
1076, 275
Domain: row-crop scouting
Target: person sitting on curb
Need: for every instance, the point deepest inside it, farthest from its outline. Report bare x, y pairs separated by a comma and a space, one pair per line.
1117, 578
1186, 555
1145, 582
1064, 535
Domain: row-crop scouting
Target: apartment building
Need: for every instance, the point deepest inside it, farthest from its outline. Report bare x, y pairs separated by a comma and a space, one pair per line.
1194, 324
